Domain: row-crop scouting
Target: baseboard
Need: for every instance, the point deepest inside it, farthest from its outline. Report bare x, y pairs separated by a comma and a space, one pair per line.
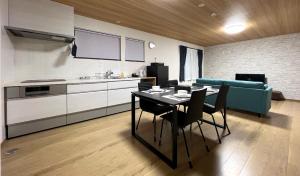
290, 100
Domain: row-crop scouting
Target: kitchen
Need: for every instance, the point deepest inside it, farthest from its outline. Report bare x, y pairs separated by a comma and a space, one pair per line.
42, 59
152, 87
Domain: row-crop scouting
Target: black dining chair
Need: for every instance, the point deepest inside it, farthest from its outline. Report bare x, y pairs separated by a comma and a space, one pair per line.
194, 114
169, 83
172, 83
151, 106
220, 104
188, 89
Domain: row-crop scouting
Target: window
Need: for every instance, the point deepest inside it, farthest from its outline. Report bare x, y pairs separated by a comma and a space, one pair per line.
191, 68
96, 45
135, 50
190, 63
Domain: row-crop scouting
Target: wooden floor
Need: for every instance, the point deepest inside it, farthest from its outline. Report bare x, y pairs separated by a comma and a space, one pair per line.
257, 146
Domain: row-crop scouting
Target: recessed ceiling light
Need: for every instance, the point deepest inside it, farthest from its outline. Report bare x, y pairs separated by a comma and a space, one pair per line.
213, 14
201, 5
234, 29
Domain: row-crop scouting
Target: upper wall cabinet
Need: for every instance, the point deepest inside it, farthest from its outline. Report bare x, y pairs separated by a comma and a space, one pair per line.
42, 15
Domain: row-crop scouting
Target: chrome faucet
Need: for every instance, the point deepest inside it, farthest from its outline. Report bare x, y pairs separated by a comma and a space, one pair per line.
108, 74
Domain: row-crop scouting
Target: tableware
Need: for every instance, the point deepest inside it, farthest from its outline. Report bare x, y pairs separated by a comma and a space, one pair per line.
182, 92
207, 87
156, 88
182, 95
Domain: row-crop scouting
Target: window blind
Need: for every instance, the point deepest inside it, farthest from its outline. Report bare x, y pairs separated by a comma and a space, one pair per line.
134, 50
97, 45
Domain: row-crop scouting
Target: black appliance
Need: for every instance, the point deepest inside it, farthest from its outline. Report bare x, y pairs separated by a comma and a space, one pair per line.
251, 77
160, 71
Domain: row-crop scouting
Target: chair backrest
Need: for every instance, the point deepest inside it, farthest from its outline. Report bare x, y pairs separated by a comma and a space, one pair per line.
172, 83
143, 102
195, 109
187, 88
221, 97
144, 86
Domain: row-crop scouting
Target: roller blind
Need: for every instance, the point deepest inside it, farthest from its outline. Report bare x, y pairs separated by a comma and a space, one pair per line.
96, 45
134, 50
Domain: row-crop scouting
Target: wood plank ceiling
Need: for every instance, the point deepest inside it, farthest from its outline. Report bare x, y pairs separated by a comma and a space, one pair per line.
186, 20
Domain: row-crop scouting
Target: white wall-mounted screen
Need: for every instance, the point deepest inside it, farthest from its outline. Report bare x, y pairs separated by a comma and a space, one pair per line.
97, 45
135, 50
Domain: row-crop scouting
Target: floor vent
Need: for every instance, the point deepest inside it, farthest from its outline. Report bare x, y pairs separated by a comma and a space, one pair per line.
11, 152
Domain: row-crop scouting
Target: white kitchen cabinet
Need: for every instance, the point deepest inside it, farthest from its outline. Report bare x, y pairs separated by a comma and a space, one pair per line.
120, 96
86, 101
23, 110
122, 84
42, 15
88, 87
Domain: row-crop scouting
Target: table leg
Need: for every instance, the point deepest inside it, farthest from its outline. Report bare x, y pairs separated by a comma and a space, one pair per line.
174, 137
132, 114
171, 162
225, 118
225, 115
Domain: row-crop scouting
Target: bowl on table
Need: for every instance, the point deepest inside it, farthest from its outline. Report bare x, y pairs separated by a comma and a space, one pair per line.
156, 89
182, 94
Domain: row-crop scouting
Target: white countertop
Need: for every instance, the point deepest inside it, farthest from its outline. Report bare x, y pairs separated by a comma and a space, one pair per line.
68, 81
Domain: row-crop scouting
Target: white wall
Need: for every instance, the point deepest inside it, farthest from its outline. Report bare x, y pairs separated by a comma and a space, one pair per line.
5, 44
37, 59
1, 91
278, 57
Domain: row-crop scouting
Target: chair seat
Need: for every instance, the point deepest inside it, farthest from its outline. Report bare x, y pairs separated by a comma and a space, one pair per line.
155, 108
181, 118
209, 108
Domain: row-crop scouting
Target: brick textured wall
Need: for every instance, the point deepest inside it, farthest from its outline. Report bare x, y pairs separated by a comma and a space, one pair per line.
277, 57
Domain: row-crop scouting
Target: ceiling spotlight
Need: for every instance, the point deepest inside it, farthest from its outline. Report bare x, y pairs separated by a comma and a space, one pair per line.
201, 5
213, 14
234, 29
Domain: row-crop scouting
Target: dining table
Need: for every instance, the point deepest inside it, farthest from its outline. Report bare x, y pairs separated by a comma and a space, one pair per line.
169, 97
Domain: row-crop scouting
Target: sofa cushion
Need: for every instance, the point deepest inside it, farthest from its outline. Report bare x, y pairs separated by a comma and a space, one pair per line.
245, 84
208, 81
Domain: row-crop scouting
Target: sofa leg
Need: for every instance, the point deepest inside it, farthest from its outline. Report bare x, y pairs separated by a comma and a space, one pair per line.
259, 115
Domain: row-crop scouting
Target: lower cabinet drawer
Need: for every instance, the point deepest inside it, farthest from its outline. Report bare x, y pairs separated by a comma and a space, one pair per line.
77, 88
86, 101
122, 84
23, 110
120, 96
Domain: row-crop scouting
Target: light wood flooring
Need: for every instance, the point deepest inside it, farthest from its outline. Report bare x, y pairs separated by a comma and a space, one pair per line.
267, 146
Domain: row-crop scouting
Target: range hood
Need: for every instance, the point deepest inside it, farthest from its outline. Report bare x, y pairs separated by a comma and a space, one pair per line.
28, 33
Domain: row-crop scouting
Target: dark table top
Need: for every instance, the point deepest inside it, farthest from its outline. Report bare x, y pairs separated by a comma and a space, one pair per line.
160, 97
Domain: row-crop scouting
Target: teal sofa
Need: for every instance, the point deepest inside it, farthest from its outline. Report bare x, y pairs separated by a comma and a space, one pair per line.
243, 95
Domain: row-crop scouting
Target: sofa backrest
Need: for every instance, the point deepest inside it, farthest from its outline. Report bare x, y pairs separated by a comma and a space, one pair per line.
208, 81
245, 84
233, 83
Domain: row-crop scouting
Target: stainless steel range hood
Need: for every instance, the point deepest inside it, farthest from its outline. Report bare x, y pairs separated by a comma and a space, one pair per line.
28, 33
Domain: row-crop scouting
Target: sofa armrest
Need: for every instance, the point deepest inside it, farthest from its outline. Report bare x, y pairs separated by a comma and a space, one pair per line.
268, 98
249, 99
